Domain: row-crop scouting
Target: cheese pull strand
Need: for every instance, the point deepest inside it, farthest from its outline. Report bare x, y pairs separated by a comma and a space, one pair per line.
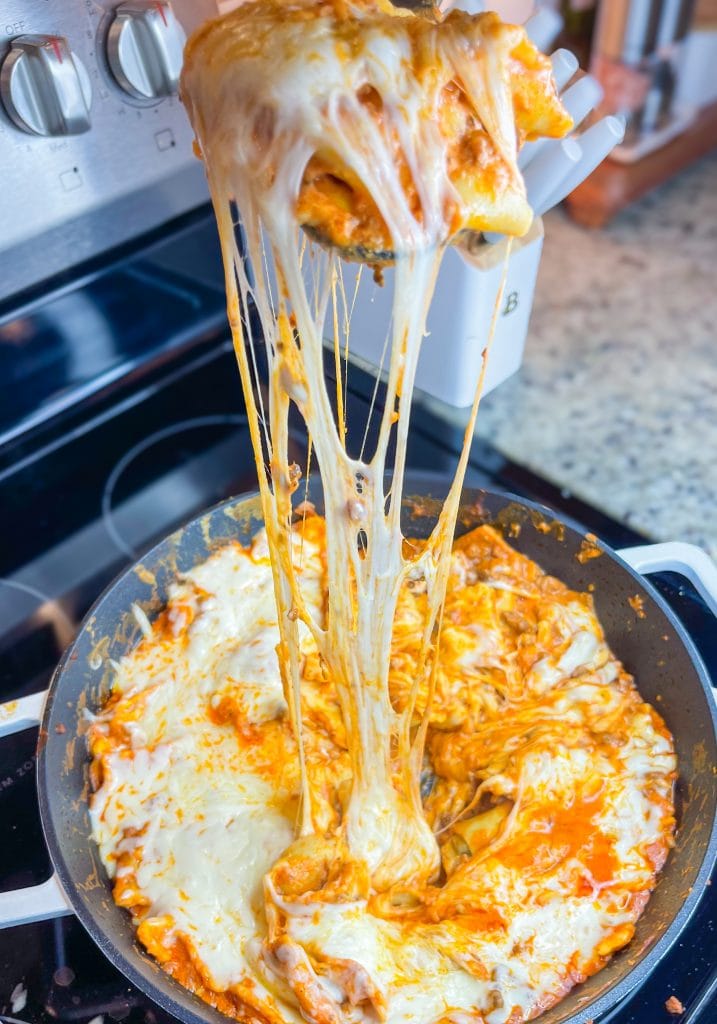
259, 121
352, 117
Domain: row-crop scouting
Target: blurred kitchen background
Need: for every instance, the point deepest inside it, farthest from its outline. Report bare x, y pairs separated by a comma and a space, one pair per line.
616, 397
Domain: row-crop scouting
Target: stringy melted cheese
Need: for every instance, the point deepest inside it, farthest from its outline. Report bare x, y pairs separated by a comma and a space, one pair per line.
334, 683
549, 792
396, 131
363, 89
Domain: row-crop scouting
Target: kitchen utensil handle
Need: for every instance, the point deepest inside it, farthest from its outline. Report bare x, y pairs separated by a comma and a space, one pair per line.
677, 556
21, 714
36, 902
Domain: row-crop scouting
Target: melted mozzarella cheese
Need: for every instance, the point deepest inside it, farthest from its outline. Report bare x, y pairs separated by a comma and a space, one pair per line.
270, 89
197, 806
203, 826
205, 845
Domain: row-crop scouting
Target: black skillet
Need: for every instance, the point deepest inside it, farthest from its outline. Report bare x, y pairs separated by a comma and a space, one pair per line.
656, 649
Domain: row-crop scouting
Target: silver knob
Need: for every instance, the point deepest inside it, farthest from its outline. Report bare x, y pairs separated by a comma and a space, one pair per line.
44, 87
145, 48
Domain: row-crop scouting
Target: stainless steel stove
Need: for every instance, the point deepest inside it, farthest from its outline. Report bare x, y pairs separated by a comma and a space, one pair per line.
121, 416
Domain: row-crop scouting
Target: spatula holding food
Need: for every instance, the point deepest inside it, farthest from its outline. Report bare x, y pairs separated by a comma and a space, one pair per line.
553, 156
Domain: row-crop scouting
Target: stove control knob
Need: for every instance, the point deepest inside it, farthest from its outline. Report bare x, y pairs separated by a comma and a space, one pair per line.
145, 48
44, 87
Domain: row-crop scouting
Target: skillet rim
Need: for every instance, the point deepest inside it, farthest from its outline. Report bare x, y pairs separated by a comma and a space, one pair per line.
414, 481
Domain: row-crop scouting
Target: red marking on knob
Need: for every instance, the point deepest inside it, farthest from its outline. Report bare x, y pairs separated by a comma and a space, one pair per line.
159, 7
55, 43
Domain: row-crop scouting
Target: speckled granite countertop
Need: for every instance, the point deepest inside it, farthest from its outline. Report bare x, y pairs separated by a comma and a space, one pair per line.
617, 397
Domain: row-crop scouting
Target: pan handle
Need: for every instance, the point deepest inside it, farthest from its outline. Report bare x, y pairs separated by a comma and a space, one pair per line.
677, 556
37, 902
21, 714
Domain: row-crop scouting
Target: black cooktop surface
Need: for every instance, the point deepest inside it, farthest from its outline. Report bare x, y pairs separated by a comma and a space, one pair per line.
81, 502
